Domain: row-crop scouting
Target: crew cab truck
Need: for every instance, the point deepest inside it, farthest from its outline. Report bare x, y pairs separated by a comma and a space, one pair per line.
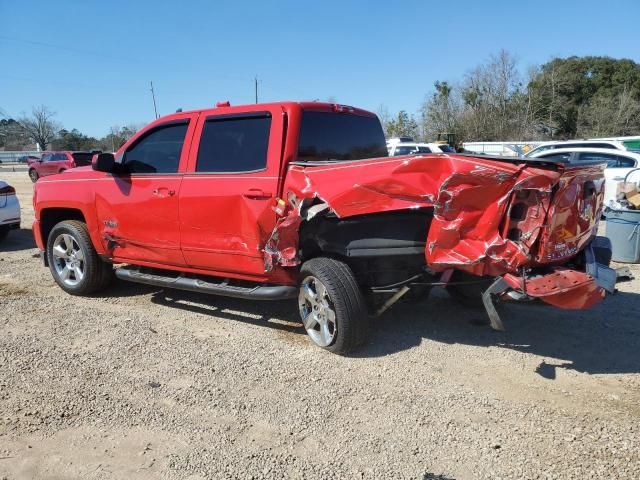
300, 201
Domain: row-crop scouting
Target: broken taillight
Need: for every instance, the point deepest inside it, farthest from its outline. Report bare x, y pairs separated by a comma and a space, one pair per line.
526, 216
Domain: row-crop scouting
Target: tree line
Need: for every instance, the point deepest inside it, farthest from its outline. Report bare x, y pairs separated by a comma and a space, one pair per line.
574, 97
42, 129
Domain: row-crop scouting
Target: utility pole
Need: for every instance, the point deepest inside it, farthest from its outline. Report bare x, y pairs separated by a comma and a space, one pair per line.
256, 85
153, 95
113, 144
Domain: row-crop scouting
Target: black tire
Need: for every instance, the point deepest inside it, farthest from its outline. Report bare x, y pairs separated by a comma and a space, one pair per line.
469, 294
346, 299
33, 175
97, 274
4, 231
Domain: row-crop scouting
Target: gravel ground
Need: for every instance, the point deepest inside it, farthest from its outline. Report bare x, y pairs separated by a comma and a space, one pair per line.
140, 383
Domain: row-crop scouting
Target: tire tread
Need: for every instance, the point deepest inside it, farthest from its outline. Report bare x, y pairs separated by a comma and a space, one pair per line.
99, 273
347, 298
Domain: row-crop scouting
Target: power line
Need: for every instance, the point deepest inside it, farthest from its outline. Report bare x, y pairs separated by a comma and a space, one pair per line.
68, 49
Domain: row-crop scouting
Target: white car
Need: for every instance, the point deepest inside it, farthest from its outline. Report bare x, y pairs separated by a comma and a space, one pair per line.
619, 164
410, 148
9, 209
608, 144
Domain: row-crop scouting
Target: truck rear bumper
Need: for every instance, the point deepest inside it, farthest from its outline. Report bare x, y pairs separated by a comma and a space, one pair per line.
568, 288
561, 287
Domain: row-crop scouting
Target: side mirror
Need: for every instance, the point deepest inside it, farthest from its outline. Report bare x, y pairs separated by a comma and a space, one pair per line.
104, 162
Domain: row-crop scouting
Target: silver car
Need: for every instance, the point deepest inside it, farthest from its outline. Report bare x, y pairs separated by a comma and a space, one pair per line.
9, 209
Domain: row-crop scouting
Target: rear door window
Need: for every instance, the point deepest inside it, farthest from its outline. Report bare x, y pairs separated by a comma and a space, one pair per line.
157, 151
234, 143
610, 160
625, 162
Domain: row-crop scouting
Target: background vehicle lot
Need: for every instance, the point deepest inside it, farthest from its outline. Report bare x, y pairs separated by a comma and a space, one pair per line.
133, 384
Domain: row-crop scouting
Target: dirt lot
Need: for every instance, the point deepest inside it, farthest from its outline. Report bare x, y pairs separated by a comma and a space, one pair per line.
144, 384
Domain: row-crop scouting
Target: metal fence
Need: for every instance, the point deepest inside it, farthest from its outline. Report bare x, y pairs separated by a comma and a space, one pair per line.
14, 157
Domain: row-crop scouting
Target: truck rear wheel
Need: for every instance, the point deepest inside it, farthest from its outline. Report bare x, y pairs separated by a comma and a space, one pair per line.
33, 175
331, 305
74, 263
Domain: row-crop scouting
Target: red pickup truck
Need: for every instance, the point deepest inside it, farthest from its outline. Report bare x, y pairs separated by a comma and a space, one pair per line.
300, 200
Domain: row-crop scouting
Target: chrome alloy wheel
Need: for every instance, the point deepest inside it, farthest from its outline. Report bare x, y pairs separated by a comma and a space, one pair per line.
68, 260
316, 312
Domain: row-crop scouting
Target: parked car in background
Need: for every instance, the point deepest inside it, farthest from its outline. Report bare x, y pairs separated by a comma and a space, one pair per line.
619, 163
9, 209
411, 148
608, 144
57, 162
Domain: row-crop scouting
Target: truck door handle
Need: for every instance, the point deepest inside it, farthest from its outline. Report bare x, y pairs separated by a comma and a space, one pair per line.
618, 178
256, 194
163, 192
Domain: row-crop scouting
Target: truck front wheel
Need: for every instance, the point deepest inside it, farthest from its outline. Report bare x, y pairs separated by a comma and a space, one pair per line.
331, 305
74, 263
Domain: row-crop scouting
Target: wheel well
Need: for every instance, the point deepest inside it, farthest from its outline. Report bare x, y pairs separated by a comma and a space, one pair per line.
380, 248
49, 217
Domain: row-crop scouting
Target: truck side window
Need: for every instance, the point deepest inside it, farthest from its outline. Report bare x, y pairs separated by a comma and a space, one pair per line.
158, 151
234, 144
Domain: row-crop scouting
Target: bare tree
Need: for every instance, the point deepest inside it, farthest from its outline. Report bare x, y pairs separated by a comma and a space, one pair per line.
40, 126
384, 116
440, 112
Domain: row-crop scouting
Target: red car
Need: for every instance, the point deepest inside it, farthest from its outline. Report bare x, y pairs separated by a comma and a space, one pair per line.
56, 162
300, 200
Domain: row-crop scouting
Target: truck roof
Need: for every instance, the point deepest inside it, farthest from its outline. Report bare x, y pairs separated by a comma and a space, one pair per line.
285, 105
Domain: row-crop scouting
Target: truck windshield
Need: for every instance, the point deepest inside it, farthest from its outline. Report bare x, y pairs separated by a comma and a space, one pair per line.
327, 136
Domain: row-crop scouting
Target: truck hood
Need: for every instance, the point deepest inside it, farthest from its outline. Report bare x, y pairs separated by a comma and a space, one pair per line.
491, 215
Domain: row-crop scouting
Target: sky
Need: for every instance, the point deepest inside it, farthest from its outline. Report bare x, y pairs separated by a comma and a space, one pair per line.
91, 61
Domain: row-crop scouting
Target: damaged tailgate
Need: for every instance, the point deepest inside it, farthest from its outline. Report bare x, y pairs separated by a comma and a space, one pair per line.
491, 217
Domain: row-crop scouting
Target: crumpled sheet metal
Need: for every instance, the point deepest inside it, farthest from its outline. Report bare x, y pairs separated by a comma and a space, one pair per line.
469, 196
282, 246
564, 288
